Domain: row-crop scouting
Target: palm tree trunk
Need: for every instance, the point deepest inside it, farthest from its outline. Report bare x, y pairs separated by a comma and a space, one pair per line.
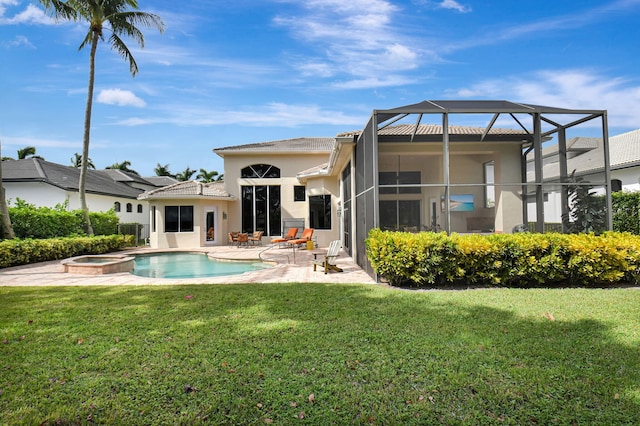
87, 136
7, 228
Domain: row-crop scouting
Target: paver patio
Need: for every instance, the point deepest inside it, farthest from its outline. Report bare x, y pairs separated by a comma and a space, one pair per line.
292, 266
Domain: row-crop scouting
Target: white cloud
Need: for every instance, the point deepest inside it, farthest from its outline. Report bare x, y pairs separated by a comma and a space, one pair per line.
573, 88
358, 37
18, 41
30, 15
274, 114
120, 97
453, 4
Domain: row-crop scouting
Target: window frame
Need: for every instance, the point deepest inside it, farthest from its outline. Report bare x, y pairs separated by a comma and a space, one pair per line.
182, 218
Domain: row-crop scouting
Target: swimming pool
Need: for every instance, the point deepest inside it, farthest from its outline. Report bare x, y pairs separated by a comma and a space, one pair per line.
190, 265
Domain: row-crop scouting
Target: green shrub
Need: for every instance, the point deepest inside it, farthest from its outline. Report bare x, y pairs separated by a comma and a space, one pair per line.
25, 251
508, 260
626, 212
30, 221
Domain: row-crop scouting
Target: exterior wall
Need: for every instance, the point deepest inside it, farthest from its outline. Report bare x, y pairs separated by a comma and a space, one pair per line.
42, 194
324, 186
158, 238
290, 165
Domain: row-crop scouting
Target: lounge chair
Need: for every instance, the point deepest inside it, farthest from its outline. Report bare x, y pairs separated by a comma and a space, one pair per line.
307, 233
256, 237
329, 261
291, 235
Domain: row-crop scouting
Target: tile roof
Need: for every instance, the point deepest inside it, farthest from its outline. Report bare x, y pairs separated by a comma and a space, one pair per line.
189, 189
309, 145
65, 177
435, 129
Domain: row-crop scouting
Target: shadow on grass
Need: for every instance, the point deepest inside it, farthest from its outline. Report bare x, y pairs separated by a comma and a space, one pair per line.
366, 354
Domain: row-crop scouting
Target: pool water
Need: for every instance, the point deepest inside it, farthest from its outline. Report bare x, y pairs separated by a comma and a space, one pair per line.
190, 265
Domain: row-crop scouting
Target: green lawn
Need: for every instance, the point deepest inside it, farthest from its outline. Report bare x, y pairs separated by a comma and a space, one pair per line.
318, 354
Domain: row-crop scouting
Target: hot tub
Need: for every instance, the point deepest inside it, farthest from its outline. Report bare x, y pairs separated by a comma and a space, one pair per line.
98, 264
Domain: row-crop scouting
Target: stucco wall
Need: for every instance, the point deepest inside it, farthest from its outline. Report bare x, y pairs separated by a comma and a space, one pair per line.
290, 165
197, 238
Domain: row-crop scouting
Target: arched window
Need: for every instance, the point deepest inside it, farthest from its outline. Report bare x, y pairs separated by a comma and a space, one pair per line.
260, 171
116, 206
129, 207
139, 208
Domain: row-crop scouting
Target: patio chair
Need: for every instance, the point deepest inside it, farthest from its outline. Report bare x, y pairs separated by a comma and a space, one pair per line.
291, 235
243, 239
307, 233
256, 237
233, 238
329, 261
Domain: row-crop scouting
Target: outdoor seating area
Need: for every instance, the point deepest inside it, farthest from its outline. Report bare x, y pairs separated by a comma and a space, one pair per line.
291, 234
243, 239
307, 234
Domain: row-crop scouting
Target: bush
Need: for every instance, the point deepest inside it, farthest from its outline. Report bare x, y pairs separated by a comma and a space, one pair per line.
626, 212
507, 260
22, 252
30, 221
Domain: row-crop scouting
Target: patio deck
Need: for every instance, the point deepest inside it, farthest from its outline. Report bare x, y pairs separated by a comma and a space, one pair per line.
292, 266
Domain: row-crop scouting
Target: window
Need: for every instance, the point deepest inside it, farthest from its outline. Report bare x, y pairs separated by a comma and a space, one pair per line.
178, 219
299, 193
129, 207
400, 215
116, 206
261, 209
489, 188
260, 171
139, 208
153, 219
400, 178
320, 211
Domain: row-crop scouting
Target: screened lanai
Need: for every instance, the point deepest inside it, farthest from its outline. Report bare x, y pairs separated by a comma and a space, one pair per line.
471, 167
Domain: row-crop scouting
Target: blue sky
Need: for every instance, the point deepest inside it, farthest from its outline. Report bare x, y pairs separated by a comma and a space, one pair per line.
229, 73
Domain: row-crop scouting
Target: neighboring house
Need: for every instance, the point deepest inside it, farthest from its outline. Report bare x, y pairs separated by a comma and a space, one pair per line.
585, 160
46, 184
396, 173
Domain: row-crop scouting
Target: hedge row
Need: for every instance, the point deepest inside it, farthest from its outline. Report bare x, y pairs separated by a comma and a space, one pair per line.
505, 260
29, 221
22, 252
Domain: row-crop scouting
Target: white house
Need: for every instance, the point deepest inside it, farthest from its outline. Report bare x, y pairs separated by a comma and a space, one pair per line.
46, 184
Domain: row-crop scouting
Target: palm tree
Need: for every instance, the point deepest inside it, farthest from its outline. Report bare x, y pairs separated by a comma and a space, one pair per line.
76, 161
7, 228
124, 166
206, 176
162, 170
120, 17
28, 152
185, 174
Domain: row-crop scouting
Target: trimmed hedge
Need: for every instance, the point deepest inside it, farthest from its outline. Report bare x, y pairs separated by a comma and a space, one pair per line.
22, 252
505, 260
29, 221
